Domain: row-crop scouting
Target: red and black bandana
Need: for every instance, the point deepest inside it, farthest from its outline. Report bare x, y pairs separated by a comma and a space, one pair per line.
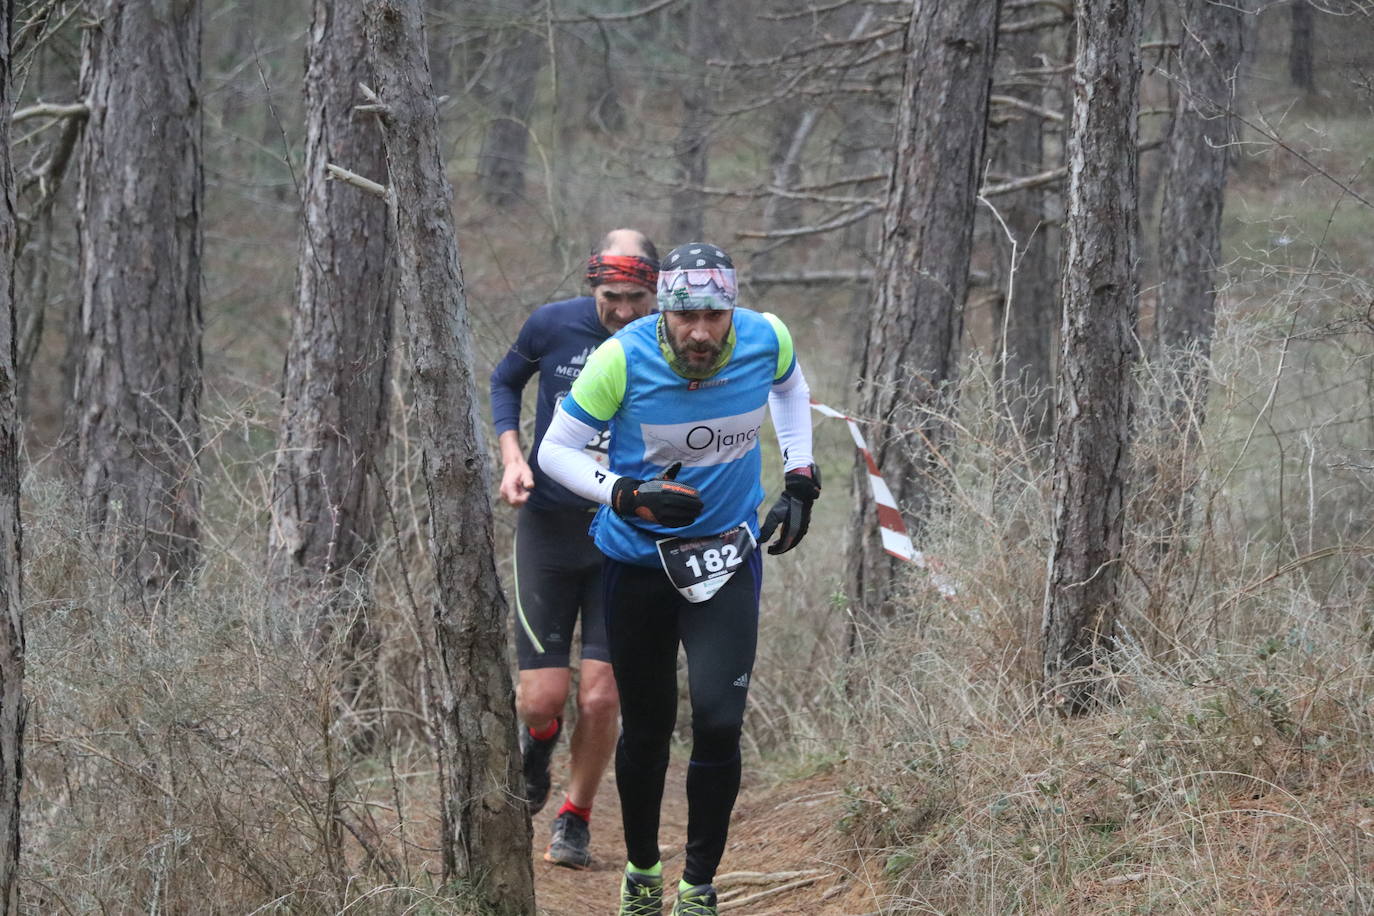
618, 268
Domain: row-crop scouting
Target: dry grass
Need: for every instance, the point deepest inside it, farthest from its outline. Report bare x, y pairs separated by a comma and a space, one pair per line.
1231, 769
193, 755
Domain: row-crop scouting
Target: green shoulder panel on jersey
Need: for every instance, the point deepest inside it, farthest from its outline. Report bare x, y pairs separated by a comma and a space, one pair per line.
600, 388
785, 351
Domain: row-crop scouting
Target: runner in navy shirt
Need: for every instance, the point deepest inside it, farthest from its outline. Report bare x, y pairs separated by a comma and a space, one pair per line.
557, 567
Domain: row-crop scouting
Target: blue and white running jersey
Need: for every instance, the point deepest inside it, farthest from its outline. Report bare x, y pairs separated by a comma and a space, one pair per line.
656, 418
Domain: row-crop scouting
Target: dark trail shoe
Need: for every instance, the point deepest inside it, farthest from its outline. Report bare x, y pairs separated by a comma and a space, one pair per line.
698, 900
571, 843
640, 895
535, 756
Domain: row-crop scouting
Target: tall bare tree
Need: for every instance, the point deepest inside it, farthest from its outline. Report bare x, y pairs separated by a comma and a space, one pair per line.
1301, 28
907, 355
1196, 157
1097, 351
138, 384
11, 591
334, 412
687, 207
1029, 302
486, 828
505, 145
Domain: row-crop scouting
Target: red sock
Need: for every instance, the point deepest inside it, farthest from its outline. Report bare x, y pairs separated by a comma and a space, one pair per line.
584, 813
548, 731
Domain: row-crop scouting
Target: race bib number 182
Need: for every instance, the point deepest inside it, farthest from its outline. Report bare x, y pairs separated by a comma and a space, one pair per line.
699, 566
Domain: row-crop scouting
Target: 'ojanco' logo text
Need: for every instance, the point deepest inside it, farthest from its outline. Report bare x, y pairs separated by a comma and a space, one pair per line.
718, 440
704, 437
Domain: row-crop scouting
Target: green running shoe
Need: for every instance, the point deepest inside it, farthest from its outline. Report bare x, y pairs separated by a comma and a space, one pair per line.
640, 895
697, 900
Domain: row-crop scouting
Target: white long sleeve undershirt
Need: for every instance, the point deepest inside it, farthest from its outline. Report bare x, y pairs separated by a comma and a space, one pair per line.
561, 454
562, 458
789, 402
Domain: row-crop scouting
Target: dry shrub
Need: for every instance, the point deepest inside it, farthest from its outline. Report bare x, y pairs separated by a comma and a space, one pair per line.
192, 754
1230, 769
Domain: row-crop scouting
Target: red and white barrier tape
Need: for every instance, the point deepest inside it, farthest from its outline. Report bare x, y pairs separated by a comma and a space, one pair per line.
891, 526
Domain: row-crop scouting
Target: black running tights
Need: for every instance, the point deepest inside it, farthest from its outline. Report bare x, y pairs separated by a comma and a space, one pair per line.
646, 619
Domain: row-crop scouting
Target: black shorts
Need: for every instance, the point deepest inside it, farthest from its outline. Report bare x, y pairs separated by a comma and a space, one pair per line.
557, 576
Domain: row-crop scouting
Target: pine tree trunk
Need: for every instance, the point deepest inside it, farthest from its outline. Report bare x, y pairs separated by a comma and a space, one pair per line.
1300, 69
486, 828
1029, 300
12, 705
1196, 159
505, 146
687, 206
139, 381
907, 358
334, 417
1194, 191
1098, 350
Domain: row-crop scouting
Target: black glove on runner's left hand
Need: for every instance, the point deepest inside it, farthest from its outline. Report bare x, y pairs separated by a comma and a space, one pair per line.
792, 511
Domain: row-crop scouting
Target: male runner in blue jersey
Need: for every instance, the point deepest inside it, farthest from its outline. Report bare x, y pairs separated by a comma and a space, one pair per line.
683, 395
557, 567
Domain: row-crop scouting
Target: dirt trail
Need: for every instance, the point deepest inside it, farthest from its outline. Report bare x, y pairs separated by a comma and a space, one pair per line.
775, 830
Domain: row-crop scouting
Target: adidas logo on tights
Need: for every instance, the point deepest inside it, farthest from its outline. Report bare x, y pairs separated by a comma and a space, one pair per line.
742, 680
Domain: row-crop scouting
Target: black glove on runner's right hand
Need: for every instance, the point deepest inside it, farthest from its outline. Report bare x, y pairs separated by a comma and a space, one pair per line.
791, 514
662, 501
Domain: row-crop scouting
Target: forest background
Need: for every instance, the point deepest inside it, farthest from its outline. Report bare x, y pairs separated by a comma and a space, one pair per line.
191, 751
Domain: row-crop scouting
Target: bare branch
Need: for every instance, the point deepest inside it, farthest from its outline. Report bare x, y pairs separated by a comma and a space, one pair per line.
1043, 178
370, 95
812, 278
615, 17
1063, 7
793, 885
812, 11
841, 182
1013, 102
839, 222
51, 110
358, 181
48, 177
1030, 25
859, 41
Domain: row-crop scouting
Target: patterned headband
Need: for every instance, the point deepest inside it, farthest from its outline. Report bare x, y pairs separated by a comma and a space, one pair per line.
697, 288
618, 268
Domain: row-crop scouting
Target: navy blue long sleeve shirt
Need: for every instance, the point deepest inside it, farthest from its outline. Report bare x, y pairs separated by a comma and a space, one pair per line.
555, 342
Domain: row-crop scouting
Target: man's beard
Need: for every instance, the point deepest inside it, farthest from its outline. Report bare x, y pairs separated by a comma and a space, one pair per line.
698, 354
